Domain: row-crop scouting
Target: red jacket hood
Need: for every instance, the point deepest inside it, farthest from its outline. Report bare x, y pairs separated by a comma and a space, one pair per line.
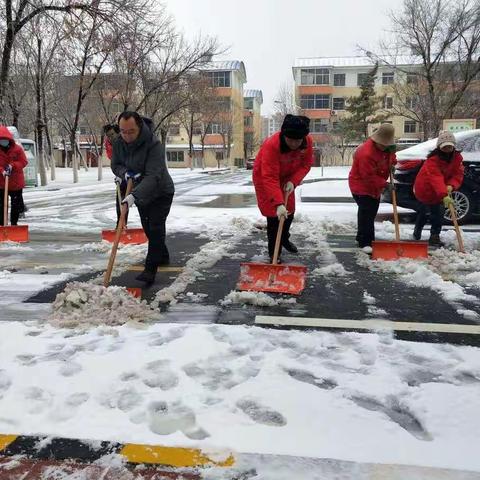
5, 133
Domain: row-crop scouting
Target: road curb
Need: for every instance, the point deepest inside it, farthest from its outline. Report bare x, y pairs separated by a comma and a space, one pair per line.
60, 449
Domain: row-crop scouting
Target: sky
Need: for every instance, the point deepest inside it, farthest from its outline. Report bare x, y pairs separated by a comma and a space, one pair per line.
267, 35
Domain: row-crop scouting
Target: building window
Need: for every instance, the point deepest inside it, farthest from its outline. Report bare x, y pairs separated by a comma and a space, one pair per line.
248, 103
197, 130
214, 128
248, 121
315, 76
411, 102
362, 78
339, 79
411, 78
410, 126
223, 104
220, 79
319, 125
338, 103
174, 130
387, 102
387, 78
175, 156
314, 102
218, 156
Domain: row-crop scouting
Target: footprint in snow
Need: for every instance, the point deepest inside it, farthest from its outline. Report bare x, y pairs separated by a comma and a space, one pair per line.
5, 382
69, 369
158, 374
307, 377
260, 414
76, 399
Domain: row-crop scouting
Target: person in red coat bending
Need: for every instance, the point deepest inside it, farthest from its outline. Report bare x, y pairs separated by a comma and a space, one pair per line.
12, 162
441, 173
280, 166
372, 162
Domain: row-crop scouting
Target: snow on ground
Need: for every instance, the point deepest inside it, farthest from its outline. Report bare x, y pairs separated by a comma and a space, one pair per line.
360, 397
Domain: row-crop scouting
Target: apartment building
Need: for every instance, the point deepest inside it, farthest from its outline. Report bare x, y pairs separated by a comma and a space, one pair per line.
252, 121
224, 142
323, 86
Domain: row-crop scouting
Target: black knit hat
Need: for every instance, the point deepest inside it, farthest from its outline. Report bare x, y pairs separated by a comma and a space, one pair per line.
295, 126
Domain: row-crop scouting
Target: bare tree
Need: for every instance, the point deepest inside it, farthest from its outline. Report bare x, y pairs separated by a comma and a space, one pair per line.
436, 45
284, 101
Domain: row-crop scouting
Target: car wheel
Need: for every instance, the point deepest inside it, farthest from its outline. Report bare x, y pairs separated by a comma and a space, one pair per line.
464, 207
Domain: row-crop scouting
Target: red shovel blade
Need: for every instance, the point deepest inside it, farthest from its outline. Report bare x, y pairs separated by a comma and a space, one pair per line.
265, 277
393, 250
135, 292
129, 235
14, 233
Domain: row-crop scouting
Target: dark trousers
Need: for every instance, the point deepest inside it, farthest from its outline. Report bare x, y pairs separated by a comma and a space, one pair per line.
153, 219
367, 211
123, 190
272, 229
16, 205
436, 218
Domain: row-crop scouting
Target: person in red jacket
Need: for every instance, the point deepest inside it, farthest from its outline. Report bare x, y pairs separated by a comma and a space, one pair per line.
441, 173
112, 132
280, 166
371, 166
12, 162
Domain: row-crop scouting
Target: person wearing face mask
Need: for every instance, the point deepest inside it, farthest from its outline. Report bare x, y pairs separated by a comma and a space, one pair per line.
368, 176
441, 173
280, 166
12, 162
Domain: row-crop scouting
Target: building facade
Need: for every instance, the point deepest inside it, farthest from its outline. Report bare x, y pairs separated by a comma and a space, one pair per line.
252, 121
324, 85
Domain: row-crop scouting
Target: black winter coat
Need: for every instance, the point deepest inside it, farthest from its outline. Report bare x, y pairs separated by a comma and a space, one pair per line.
145, 156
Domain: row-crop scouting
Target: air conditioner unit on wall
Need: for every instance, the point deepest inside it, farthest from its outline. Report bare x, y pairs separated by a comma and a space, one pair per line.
333, 112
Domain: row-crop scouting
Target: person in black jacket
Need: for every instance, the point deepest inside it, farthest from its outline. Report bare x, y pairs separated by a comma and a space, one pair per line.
139, 155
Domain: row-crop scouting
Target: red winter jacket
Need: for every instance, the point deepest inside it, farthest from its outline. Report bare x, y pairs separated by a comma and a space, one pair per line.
14, 156
370, 170
431, 183
108, 148
272, 169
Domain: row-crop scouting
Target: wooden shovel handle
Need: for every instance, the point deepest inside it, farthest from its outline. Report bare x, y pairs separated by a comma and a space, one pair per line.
278, 240
395, 211
461, 247
118, 233
5, 203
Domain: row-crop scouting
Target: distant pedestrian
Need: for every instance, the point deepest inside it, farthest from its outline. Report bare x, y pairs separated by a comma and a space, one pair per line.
12, 162
439, 176
280, 166
139, 156
368, 176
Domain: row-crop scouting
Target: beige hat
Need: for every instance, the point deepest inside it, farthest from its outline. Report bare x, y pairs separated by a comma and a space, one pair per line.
445, 138
384, 135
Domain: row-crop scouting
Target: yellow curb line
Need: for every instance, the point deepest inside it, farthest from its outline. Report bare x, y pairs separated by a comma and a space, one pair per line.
172, 456
6, 440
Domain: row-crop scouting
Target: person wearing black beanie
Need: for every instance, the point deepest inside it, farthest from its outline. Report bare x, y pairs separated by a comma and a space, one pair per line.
280, 166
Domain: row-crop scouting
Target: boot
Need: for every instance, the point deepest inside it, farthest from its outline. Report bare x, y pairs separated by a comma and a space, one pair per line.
147, 276
417, 232
435, 241
289, 246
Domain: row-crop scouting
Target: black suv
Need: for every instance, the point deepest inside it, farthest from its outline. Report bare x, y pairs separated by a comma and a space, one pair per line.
467, 198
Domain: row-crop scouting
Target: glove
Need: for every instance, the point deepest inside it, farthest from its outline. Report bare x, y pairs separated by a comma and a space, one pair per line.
447, 201
118, 180
134, 176
449, 189
289, 187
129, 200
282, 212
7, 171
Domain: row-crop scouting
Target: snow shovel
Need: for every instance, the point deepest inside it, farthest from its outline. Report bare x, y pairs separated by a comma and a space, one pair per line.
136, 292
11, 233
275, 278
134, 236
393, 250
453, 215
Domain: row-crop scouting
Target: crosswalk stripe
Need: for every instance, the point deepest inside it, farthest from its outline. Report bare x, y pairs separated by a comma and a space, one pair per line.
368, 324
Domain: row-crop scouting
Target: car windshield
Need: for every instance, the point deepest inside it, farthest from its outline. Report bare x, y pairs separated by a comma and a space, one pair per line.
468, 142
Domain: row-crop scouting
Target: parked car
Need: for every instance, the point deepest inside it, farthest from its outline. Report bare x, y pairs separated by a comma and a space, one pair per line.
249, 163
467, 198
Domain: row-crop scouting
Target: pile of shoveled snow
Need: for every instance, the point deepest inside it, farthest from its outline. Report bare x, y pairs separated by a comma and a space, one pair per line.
255, 298
86, 304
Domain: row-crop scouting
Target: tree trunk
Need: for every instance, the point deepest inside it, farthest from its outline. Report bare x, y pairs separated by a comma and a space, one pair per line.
5, 66
73, 150
38, 115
